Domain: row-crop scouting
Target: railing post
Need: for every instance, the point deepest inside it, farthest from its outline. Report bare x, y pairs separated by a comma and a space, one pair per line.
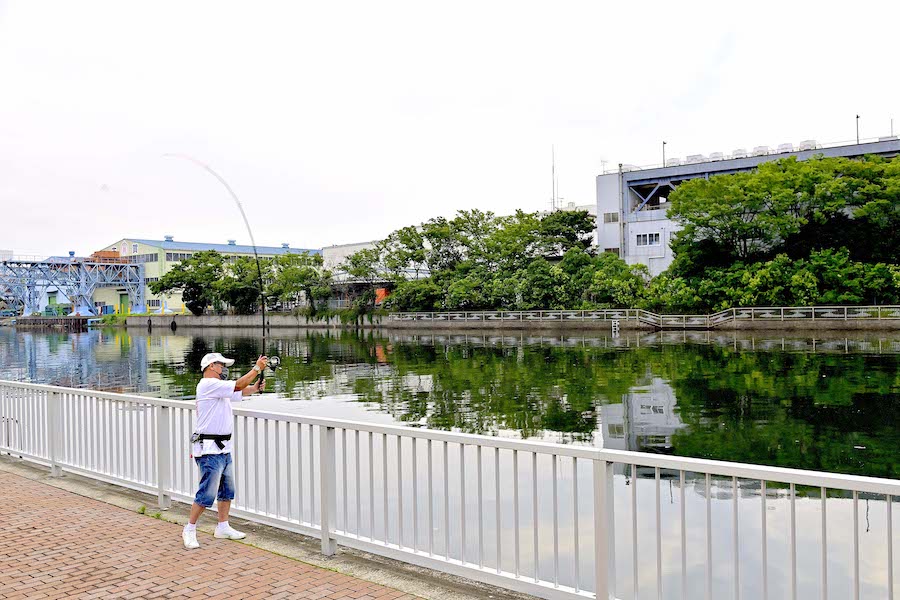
327, 494
845, 313
54, 432
604, 522
163, 455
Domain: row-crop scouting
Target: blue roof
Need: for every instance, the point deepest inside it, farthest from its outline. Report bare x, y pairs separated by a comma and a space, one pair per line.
224, 248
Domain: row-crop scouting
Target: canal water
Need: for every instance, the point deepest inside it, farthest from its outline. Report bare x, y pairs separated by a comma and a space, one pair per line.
827, 403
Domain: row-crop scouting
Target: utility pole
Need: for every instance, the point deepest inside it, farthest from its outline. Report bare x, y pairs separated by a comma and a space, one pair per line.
857, 129
664, 153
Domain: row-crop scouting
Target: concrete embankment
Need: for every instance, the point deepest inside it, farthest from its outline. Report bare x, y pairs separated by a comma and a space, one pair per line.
276, 321
279, 321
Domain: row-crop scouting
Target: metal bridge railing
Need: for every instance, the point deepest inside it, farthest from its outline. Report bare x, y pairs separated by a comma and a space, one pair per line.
780, 313
555, 521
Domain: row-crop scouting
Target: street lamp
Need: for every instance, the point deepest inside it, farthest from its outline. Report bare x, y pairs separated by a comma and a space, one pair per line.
857, 129
664, 153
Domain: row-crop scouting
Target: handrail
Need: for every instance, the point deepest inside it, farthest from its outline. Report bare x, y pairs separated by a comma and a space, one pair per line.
297, 472
727, 468
749, 313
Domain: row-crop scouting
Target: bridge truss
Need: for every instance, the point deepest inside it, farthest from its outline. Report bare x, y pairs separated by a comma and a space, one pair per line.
23, 282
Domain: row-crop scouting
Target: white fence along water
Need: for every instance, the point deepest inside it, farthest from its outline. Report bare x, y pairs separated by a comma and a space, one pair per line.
778, 313
556, 521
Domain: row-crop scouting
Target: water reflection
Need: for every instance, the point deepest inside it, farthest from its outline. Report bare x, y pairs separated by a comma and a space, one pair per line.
819, 403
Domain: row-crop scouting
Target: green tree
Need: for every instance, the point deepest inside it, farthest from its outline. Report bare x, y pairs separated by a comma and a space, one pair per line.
615, 283
239, 285
563, 230
296, 274
195, 278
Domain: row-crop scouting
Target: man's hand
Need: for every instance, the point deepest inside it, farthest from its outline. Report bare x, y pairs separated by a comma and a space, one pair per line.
261, 362
261, 385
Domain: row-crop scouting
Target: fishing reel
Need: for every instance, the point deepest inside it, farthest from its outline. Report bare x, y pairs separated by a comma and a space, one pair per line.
273, 363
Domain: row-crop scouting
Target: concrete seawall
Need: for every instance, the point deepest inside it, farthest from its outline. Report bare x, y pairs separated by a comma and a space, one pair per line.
176, 322
274, 321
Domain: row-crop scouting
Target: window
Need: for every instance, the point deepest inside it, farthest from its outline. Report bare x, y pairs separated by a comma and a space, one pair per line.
154, 303
151, 279
612, 251
611, 217
134, 248
175, 256
648, 239
144, 258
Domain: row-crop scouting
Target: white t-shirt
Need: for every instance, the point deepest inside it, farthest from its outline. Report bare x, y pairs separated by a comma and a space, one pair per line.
214, 414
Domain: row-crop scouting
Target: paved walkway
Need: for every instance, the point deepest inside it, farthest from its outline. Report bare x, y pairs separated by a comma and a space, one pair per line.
56, 544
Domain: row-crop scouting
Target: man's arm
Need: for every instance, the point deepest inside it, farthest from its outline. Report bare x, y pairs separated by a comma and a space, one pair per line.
252, 389
244, 381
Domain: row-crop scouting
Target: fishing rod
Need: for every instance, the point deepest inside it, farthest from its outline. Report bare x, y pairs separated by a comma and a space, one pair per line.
274, 361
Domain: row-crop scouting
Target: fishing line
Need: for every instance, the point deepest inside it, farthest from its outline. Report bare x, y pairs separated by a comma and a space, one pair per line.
274, 361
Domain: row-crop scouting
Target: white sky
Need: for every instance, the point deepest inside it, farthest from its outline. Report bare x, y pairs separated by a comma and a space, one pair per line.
338, 122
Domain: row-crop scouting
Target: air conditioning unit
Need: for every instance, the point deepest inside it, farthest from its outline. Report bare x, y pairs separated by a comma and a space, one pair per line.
808, 145
761, 150
626, 168
673, 162
787, 147
739, 153
693, 159
716, 156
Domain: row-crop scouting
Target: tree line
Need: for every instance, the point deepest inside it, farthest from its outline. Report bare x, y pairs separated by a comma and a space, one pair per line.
821, 231
211, 279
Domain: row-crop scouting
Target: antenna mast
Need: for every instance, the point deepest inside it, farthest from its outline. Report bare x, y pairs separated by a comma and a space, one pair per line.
553, 206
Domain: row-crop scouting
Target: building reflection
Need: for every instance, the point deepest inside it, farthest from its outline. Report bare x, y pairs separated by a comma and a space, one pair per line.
644, 421
111, 360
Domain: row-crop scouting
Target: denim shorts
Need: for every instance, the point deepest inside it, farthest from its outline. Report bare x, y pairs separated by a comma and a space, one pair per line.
216, 479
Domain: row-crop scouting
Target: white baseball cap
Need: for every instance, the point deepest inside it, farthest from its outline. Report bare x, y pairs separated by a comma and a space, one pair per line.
214, 357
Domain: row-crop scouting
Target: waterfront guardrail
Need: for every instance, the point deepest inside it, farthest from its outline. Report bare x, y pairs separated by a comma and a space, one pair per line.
777, 313
555, 521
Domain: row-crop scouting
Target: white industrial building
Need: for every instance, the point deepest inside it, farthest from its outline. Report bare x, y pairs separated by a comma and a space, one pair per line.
632, 202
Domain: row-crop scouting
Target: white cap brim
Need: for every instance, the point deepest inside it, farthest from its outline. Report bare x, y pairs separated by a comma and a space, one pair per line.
215, 357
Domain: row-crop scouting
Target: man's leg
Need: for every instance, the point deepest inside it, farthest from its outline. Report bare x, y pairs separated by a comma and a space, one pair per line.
224, 498
196, 511
211, 467
224, 508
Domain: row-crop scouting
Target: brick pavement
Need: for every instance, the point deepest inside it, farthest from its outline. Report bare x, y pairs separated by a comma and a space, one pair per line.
56, 544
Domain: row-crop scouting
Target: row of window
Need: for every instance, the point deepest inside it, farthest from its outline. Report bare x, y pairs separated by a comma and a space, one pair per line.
144, 258
178, 255
154, 303
648, 239
151, 279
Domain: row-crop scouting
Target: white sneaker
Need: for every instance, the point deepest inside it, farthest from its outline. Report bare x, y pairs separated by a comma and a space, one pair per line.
190, 539
229, 533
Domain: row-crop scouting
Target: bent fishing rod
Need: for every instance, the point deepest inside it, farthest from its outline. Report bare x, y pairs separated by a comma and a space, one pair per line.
274, 361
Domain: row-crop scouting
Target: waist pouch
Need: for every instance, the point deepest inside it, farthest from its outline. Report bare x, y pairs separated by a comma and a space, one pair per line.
218, 439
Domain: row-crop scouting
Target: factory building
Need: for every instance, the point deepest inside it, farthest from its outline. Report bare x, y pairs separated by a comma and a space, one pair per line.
632, 202
159, 256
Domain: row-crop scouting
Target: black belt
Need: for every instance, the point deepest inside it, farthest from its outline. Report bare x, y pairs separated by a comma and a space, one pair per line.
218, 439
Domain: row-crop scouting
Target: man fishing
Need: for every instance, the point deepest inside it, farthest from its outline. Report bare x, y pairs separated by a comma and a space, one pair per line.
211, 441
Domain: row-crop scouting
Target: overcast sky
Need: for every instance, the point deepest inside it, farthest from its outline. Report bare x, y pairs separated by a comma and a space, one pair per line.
338, 122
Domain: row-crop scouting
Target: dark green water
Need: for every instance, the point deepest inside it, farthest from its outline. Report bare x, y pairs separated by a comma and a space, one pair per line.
831, 404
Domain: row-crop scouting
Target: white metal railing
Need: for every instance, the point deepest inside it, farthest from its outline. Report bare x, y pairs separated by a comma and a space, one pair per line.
556, 521
778, 313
